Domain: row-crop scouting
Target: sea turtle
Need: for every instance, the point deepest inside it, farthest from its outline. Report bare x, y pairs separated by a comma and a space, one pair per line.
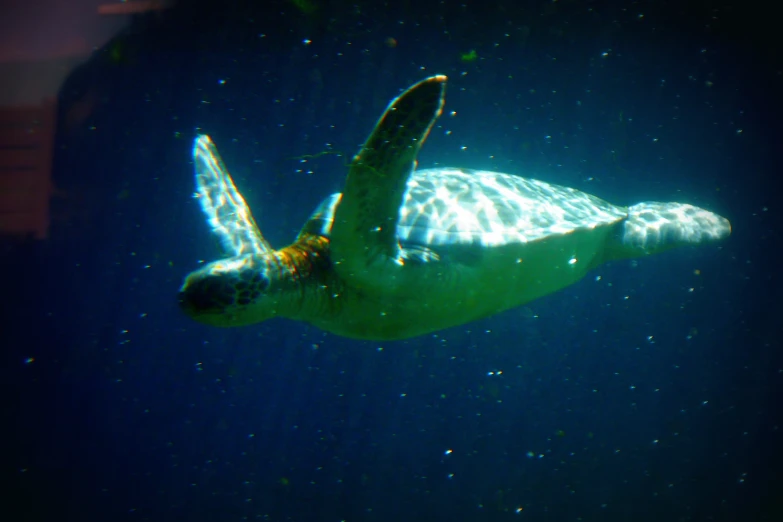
403, 252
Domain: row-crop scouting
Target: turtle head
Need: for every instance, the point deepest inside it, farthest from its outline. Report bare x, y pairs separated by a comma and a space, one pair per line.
231, 292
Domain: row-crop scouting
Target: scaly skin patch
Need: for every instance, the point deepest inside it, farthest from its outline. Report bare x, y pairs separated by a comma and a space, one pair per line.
306, 259
306, 267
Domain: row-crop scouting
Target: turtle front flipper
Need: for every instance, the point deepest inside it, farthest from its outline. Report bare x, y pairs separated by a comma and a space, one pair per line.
226, 210
364, 234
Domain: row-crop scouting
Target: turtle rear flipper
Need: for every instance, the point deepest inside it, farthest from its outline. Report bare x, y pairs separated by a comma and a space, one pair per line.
225, 208
364, 234
653, 227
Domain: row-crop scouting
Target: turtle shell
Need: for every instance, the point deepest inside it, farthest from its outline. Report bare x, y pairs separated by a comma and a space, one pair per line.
450, 207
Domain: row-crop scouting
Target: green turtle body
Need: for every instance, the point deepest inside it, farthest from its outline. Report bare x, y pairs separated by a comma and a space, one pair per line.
403, 252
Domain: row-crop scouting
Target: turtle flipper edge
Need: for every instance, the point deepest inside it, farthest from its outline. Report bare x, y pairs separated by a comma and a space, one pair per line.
364, 233
225, 208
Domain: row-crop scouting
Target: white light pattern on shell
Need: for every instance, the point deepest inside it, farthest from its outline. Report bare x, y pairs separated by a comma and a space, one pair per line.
453, 206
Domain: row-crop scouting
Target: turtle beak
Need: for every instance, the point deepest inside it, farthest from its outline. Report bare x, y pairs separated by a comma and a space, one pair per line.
184, 303
202, 296
191, 303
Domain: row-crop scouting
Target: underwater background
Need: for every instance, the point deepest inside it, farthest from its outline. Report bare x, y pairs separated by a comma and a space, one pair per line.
649, 391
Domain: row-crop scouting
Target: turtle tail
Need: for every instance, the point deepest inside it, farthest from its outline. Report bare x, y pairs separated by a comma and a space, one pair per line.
653, 227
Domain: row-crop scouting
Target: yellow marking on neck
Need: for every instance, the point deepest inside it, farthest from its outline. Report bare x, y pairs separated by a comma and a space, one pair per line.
304, 257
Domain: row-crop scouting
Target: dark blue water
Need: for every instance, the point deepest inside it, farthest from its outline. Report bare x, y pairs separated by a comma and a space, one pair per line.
646, 392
